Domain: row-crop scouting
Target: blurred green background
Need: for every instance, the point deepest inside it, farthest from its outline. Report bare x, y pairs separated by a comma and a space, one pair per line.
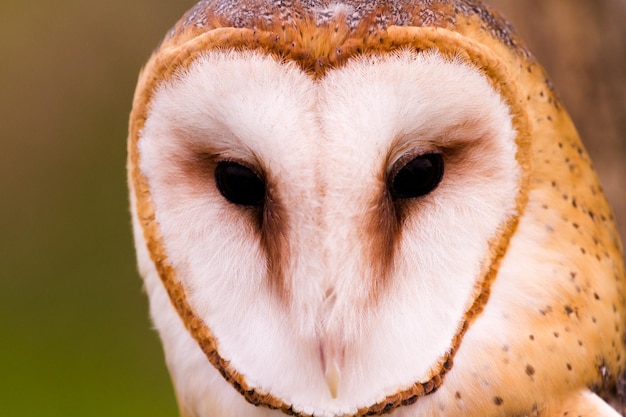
75, 338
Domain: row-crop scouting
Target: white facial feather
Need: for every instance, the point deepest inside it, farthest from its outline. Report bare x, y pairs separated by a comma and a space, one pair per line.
326, 146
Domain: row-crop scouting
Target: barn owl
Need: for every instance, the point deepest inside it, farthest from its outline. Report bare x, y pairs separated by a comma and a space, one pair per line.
360, 208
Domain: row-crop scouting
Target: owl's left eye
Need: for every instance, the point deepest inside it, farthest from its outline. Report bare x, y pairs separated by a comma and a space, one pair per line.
239, 184
417, 177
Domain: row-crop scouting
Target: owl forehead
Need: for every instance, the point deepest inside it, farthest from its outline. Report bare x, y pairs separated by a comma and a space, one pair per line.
345, 20
354, 123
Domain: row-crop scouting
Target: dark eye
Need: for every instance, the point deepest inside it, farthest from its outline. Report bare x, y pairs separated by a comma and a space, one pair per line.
239, 184
417, 177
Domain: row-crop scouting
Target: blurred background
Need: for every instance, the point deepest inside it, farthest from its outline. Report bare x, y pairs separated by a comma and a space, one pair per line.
75, 338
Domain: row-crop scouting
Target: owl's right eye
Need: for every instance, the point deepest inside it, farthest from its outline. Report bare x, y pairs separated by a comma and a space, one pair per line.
239, 184
417, 177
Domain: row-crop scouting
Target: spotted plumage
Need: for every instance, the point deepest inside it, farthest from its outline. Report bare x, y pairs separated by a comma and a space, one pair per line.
360, 208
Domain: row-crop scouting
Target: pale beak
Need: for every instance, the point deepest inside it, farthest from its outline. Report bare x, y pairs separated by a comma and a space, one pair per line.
333, 377
332, 362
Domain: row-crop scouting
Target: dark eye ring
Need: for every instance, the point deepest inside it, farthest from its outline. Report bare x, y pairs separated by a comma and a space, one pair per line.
416, 177
239, 184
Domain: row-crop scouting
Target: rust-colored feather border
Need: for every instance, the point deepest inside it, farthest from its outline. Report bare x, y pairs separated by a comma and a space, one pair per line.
171, 58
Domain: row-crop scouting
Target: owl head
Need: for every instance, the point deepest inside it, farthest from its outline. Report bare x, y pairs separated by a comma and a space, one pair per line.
358, 207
